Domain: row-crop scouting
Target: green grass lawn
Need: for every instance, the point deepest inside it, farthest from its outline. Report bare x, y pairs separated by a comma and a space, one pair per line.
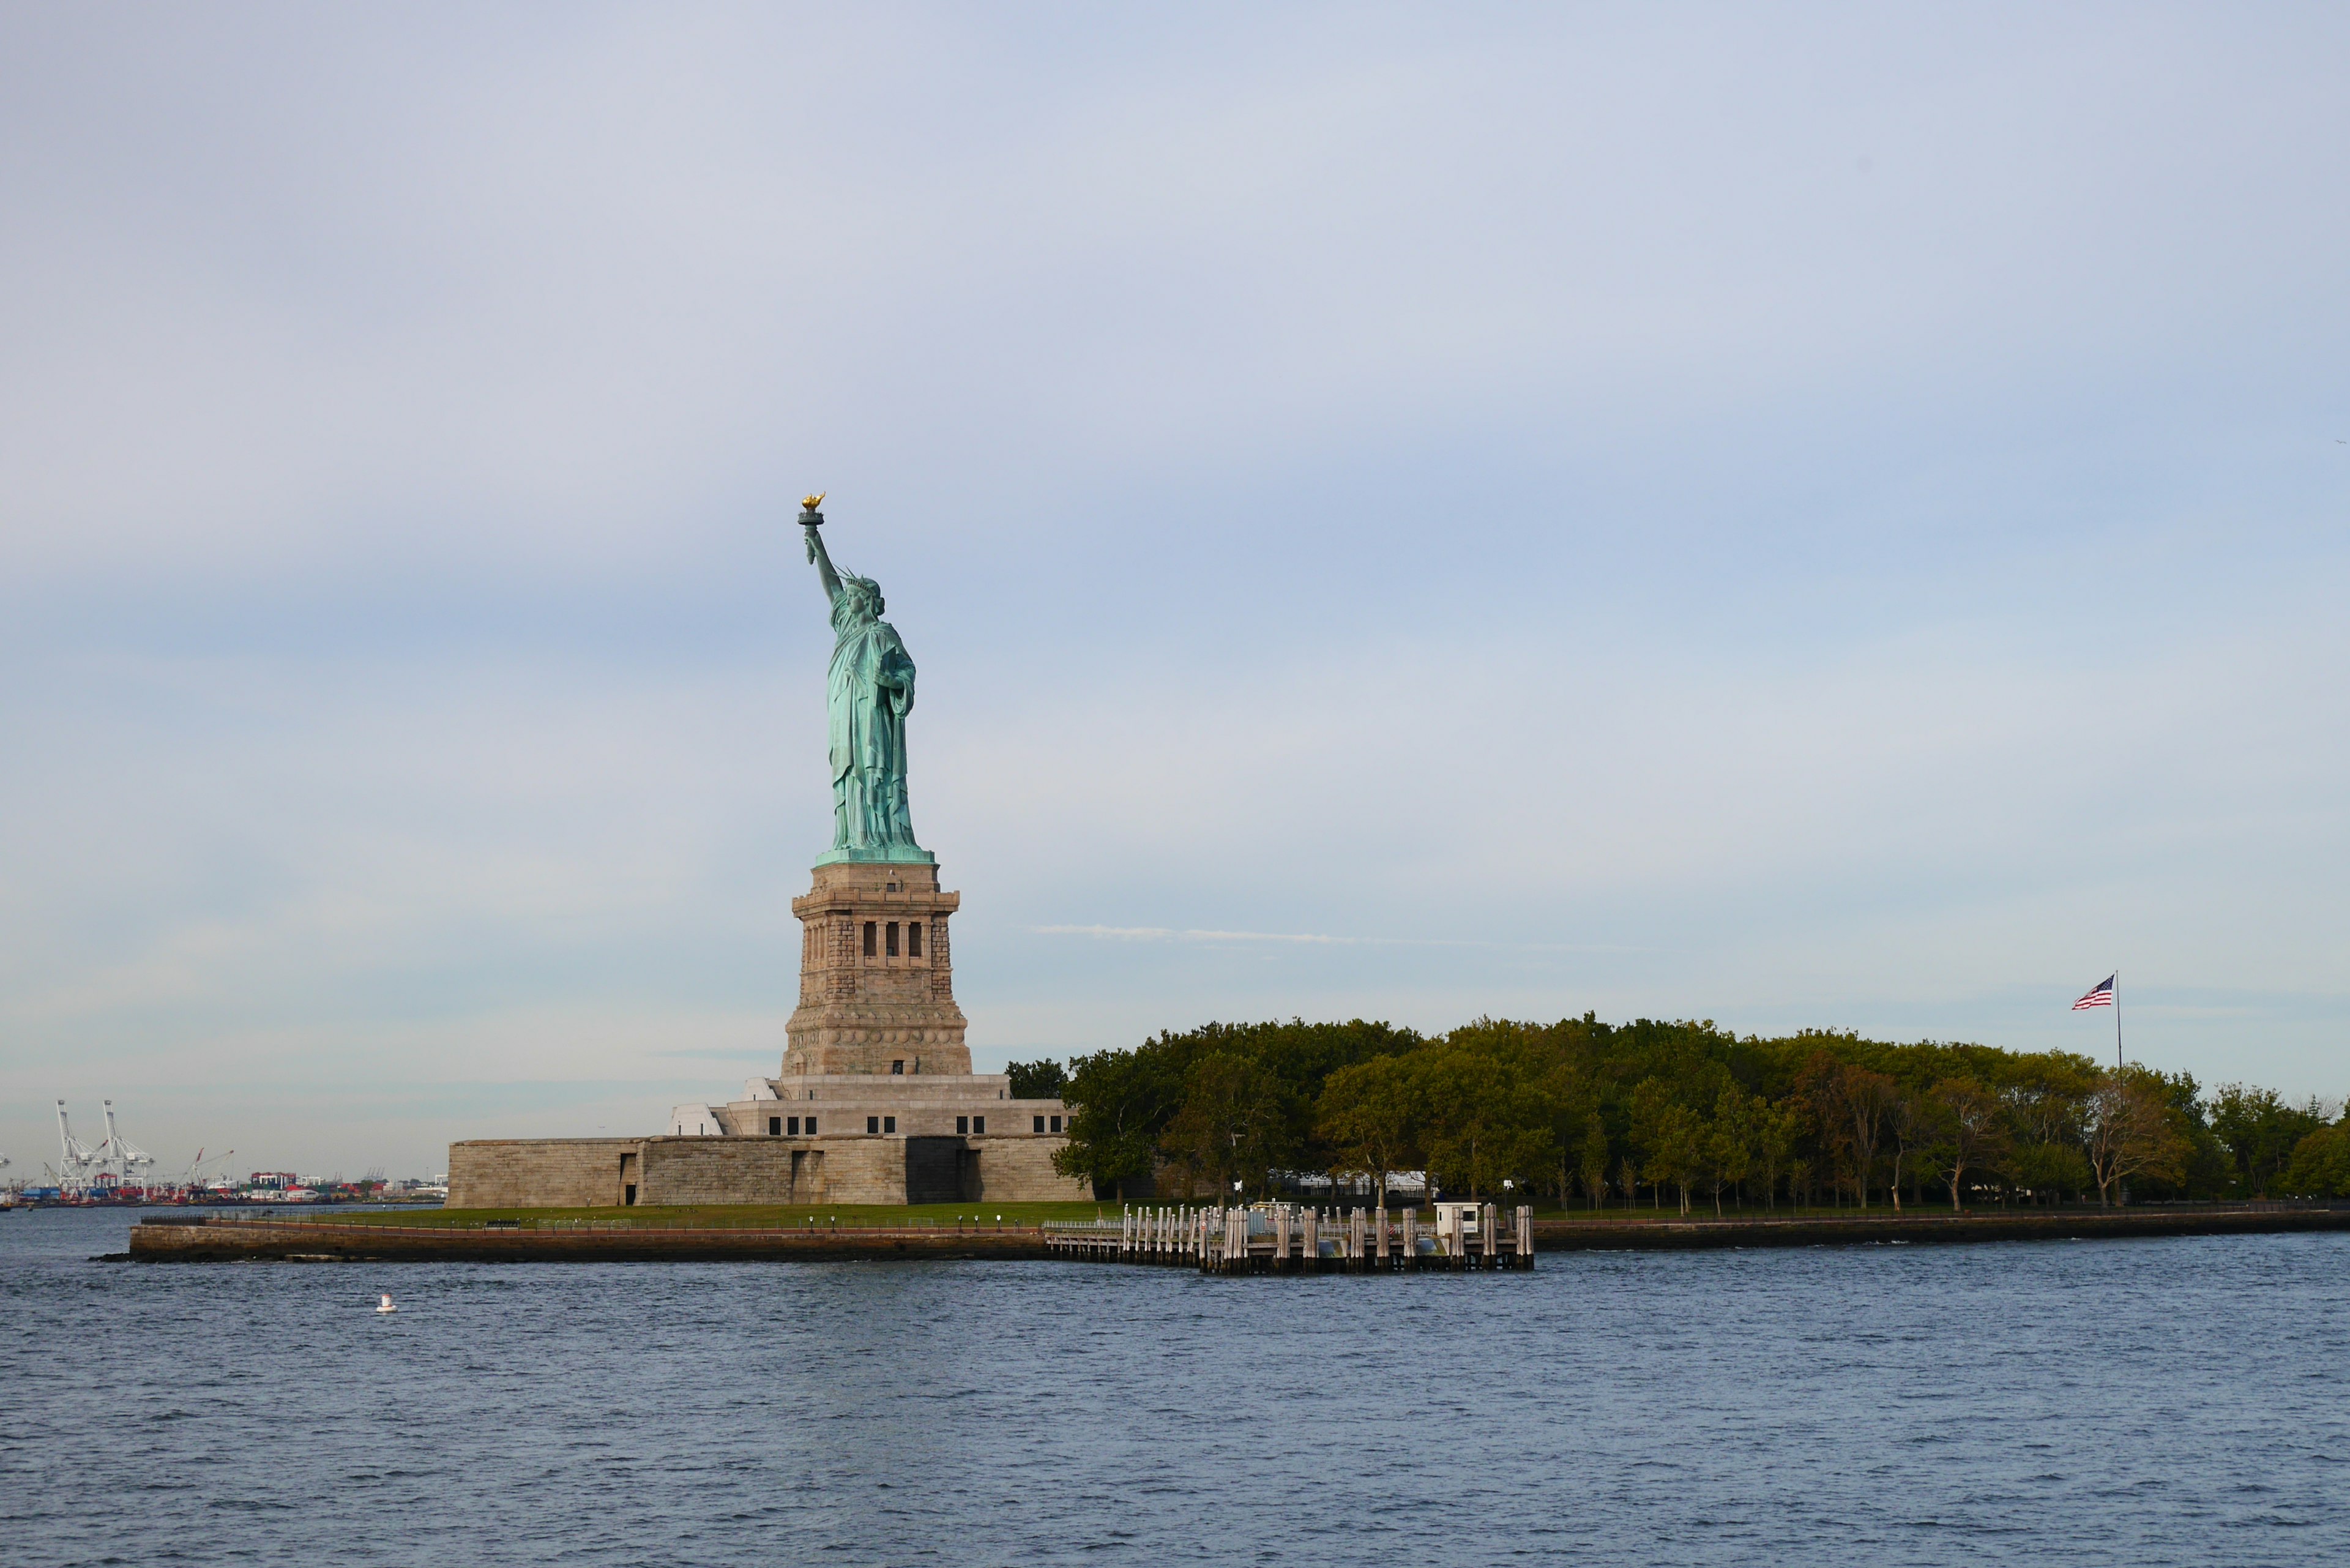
758, 1216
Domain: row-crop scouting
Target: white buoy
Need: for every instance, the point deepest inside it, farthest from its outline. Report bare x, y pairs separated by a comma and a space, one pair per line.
386, 1304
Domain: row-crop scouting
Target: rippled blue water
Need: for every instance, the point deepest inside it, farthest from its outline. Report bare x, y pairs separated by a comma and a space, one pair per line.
2130, 1402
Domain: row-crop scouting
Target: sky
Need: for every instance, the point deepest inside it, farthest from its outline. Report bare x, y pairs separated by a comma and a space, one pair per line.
1808, 515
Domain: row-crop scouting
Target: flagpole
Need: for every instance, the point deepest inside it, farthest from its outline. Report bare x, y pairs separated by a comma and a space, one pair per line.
2117, 1020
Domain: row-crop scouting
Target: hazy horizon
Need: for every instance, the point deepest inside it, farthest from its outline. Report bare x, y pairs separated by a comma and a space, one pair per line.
1830, 517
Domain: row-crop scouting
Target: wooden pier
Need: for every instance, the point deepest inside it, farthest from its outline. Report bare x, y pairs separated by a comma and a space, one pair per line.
1290, 1239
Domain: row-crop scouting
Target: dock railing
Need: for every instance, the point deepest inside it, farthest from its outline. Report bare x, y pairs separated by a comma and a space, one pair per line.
1287, 1237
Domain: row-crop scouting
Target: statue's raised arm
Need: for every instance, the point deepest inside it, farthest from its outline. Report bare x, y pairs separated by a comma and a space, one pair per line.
817, 552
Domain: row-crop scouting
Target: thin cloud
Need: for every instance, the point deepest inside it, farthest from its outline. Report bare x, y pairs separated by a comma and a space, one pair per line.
1170, 934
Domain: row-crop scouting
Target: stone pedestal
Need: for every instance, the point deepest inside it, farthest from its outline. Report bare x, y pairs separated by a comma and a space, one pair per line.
876, 976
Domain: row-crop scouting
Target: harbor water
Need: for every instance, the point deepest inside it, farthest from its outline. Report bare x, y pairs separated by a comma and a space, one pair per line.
2101, 1402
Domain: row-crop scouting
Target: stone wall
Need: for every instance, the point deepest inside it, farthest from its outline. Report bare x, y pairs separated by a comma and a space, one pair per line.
916, 1103
541, 1173
1019, 1169
584, 1173
682, 1171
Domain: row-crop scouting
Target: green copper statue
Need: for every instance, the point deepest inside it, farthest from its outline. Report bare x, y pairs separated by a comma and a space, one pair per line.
870, 691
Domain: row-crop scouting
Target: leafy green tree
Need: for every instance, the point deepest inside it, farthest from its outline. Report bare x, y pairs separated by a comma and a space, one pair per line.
1568, 1100
2319, 1166
2205, 1169
2045, 1095
1591, 1155
1231, 1122
1970, 1129
2261, 1133
1904, 1128
1483, 1124
1865, 1101
1120, 1102
1037, 1080
2130, 1129
1777, 1126
1819, 1091
1627, 1179
2052, 1169
1728, 1151
1651, 1098
1123, 1103
1371, 1114
1677, 1150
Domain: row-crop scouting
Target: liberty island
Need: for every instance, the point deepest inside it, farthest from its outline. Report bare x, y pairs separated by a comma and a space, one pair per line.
875, 1101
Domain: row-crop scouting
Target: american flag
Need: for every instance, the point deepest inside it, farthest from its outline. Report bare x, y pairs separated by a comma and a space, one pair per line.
2100, 995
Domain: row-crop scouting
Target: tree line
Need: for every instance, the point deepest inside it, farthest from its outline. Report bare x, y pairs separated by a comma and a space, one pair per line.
1651, 1113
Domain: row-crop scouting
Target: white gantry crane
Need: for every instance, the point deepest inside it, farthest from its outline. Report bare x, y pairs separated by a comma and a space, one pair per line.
76, 1160
124, 1158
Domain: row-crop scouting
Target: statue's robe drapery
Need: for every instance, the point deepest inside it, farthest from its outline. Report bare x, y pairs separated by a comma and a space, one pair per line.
869, 692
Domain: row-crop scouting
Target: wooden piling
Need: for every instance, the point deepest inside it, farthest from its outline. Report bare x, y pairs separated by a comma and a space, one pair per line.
1288, 1239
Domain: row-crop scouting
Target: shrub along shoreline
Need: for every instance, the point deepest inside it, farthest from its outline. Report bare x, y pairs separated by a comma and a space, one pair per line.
1677, 1117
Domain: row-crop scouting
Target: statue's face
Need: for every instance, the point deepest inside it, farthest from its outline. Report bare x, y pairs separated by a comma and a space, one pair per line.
866, 599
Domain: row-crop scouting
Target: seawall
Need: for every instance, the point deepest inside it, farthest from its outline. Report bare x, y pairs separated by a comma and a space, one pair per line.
201, 1239
180, 1241
1927, 1228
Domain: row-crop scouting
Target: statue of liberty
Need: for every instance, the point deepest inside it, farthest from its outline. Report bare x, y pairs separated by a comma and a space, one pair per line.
870, 693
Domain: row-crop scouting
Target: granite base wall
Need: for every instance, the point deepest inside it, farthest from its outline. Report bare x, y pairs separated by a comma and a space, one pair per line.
583, 1173
539, 1173
1019, 1169
683, 1170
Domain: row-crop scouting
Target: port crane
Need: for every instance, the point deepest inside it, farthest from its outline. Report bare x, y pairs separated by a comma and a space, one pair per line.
116, 1161
192, 1183
77, 1159
125, 1158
